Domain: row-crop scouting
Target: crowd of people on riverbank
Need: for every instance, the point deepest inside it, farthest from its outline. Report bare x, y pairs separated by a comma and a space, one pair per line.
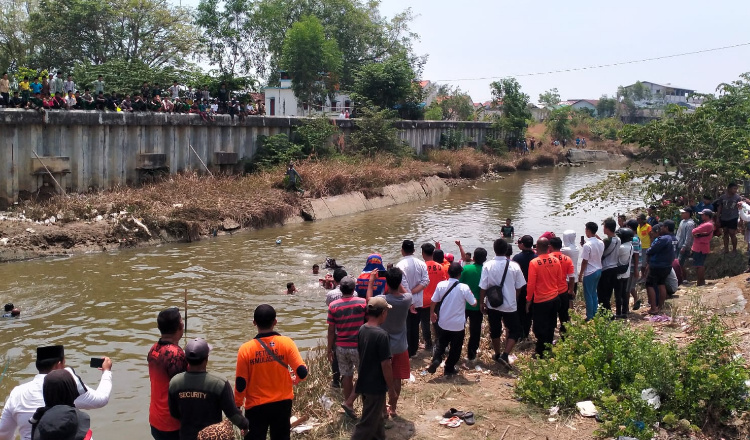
62, 93
380, 318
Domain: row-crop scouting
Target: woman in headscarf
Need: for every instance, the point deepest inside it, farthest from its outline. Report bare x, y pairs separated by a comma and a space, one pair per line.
59, 419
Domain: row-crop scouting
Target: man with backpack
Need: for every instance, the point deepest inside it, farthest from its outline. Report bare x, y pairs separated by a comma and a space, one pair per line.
500, 285
608, 281
624, 259
448, 313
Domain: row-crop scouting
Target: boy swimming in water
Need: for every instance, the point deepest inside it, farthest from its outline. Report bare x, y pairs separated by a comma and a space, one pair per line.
290, 289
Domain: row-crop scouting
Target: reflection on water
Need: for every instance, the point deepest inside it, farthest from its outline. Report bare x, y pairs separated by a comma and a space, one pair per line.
107, 304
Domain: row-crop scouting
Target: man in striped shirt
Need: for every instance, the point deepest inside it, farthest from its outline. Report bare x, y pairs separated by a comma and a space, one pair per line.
345, 317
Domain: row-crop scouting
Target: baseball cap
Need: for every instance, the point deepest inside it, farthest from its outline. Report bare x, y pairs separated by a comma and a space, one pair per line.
527, 240
378, 303
348, 283
197, 349
687, 209
374, 262
707, 212
547, 235
449, 257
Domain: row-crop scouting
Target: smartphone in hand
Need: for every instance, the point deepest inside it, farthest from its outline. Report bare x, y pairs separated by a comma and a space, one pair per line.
381, 273
96, 362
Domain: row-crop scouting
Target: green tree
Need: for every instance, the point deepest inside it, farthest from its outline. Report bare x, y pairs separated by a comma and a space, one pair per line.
14, 36
230, 37
507, 95
434, 112
151, 31
550, 98
312, 60
249, 34
558, 123
688, 153
606, 107
375, 133
454, 104
385, 84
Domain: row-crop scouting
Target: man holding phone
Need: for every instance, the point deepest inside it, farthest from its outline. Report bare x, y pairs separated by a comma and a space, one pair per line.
25, 399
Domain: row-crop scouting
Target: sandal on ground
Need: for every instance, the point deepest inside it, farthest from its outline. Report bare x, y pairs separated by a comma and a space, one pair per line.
349, 411
447, 420
469, 418
453, 412
637, 305
454, 424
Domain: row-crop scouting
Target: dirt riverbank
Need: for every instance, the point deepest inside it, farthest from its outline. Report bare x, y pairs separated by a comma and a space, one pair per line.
188, 207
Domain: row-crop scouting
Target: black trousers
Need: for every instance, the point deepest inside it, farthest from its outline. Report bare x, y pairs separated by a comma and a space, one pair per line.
456, 342
413, 322
622, 297
545, 321
274, 415
475, 331
522, 315
371, 425
563, 312
606, 287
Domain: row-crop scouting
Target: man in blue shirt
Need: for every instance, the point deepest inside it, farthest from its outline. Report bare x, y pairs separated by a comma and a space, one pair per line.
660, 258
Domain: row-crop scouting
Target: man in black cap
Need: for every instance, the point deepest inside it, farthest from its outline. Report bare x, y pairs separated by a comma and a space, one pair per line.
197, 398
523, 259
26, 398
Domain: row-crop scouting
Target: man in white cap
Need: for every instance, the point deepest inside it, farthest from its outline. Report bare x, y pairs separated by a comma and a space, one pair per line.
197, 398
26, 398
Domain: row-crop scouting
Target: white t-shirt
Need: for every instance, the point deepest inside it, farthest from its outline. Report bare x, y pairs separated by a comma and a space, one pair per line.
453, 307
592, 252
492, 275
175, 91
214, 108
625, 256
415, 273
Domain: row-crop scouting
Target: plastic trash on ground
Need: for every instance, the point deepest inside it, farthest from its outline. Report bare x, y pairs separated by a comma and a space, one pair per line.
412, 379
554, 410
326, 402
651, 397
587, 408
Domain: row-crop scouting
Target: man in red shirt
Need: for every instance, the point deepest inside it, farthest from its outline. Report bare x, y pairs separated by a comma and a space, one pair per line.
566, 293
165, 360
437, 273
345, 316
545, 273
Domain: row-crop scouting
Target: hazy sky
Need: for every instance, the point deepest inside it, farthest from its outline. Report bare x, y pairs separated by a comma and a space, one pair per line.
497, 38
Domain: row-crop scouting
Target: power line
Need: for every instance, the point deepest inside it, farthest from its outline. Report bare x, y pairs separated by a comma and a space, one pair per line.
622, 63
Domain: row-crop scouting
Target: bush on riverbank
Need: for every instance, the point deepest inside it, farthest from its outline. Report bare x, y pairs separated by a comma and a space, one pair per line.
701, 384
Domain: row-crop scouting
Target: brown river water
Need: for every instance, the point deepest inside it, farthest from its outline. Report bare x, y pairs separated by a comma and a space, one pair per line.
106, 304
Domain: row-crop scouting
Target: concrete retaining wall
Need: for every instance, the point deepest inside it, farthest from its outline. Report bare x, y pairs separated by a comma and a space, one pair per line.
577, 156
350, 203
88, 150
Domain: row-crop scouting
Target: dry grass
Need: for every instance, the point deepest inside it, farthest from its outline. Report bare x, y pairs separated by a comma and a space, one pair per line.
334, 177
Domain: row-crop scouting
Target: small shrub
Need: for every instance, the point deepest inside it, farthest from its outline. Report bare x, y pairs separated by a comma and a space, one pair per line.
375, 133
611, 363
275, 150
316, 136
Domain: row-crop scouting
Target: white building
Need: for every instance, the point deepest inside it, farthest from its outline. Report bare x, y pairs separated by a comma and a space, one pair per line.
280, 101
661, 94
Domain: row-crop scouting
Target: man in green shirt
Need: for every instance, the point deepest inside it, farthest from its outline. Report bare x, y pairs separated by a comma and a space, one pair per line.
471, 276
98, 85
197, 398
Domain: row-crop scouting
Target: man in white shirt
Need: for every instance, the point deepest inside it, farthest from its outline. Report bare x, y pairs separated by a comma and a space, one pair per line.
591, 269
25, 399
414, 281
174, 90
452, 296
492, 275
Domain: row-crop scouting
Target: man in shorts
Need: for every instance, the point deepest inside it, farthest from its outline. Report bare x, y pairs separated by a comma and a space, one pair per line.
395, 325
702, 235
492, 275
660, 257
345, 316
729, 215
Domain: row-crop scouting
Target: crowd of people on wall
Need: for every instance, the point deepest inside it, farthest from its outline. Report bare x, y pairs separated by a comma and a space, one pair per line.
60, 92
